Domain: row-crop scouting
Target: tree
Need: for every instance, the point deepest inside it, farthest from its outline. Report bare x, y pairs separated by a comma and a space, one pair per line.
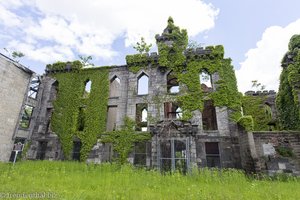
142, 47
258, 86
85, 60
16, 55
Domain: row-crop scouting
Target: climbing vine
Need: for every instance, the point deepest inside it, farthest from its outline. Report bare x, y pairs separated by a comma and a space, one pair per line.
75, 65
187, 64
246, 122
137, 61
288, 98
65, 120
123, 140
254, 106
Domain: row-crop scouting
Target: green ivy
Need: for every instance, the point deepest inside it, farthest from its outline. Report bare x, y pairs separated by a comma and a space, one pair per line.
123, 140
287, 100
75, 65
246, 122
254, 106
187, 67
25, 149
65, 120
284, 151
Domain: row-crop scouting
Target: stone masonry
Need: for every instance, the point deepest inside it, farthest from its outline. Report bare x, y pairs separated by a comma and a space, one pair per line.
14, 83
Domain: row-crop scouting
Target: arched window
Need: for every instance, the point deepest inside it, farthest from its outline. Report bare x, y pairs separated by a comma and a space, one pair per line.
172, 110
178, 113
143, 82
205, 81
144, 115
141, 116
87, 89
172, 83
115, 87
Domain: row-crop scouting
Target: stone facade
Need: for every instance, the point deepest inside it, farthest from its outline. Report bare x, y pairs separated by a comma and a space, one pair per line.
14, 84
148, 95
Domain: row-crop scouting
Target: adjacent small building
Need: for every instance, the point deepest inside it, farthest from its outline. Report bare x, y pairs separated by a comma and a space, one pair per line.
15, 82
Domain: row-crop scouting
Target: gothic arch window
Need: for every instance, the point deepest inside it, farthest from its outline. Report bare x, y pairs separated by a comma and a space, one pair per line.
143, 84
172, 83
205, 81
87, 89
144, 115
172, 110
115, 87
141, 116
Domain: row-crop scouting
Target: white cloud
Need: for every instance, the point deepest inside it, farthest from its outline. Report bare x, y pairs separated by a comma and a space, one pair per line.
263, 63
8, 18
44, 54
90, 27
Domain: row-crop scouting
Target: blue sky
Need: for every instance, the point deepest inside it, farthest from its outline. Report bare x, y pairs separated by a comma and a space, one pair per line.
255, 33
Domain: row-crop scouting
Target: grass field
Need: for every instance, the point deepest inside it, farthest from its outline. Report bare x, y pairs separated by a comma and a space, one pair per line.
70, 180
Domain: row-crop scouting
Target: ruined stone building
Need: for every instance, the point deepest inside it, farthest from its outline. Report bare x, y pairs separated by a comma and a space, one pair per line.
186, 98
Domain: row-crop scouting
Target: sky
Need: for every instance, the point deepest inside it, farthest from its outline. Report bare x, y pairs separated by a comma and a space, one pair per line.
254, 33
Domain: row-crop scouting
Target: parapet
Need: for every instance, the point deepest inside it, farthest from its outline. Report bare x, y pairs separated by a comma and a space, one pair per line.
260, 93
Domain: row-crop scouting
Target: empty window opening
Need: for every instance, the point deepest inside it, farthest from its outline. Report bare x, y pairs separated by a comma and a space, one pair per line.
212, 154
172, 83
178, 113
81, 118
17, 146
205, 81
144, 129
54, 91
76, 150
26, 116
209, 118
172, 110
87, 89
141, 150
48, 118
41, 151
115, 87
144, 115
34, 87
143, 83
111, 118
141, 116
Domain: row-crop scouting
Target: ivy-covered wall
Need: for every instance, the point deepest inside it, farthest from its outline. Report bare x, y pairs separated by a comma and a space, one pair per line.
84, 116
187, 64
65, 120
288, 97
261, 114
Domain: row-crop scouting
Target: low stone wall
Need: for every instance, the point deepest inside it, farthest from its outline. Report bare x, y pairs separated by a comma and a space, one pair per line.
278, 151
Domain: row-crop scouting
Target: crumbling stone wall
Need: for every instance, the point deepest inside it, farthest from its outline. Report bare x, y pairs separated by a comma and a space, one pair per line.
42, 132
278, 151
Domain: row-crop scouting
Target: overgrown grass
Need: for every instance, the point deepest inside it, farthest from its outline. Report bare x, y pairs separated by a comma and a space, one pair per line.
71, 180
